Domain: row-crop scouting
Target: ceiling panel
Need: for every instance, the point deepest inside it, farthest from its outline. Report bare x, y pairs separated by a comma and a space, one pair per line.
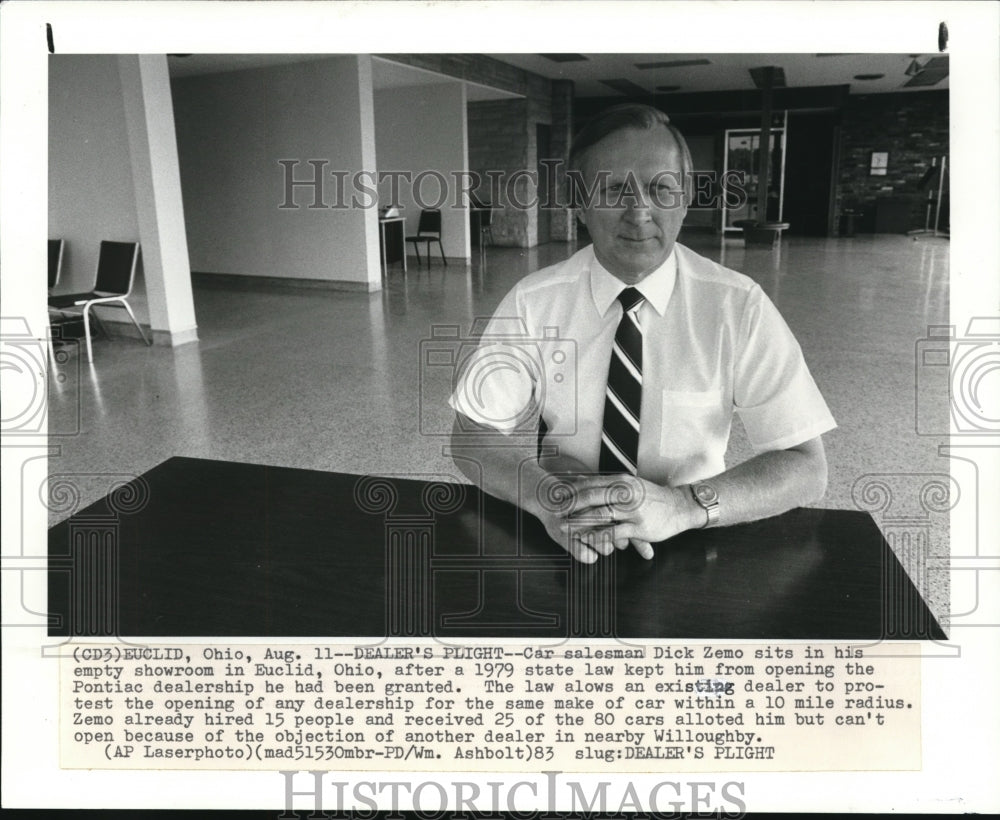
727, 72
648, 72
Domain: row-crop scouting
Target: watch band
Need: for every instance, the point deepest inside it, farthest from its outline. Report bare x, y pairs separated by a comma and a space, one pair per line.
708, 499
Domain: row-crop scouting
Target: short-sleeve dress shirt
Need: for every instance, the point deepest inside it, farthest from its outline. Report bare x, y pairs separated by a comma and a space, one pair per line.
713, 344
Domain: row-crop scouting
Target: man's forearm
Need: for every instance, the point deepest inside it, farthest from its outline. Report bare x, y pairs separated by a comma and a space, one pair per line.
766, 485
503, 466
771, 483
507, 467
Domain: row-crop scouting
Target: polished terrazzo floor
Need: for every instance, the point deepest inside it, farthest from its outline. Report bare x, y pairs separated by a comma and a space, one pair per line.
332, 380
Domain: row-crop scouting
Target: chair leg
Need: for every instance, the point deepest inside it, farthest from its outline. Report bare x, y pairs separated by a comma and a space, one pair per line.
416, 250
86, 332
441, 248
148, 342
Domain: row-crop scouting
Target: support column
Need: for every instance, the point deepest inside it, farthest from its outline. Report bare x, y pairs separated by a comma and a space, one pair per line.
563, 225
763, 173
149, 117
366, 125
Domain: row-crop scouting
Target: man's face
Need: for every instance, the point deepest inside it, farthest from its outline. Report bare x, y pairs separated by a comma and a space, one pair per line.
636, 205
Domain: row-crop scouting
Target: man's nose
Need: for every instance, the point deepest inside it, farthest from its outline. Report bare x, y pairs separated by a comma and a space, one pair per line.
638, 208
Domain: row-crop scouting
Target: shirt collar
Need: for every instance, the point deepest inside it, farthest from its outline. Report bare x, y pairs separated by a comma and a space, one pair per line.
655, 288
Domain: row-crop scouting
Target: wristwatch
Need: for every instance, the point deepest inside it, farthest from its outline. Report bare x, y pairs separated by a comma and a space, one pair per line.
708, 499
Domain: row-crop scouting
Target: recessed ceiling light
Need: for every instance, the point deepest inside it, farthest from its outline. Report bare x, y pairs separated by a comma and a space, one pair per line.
564, 58
868, 76
626, 87
673, 63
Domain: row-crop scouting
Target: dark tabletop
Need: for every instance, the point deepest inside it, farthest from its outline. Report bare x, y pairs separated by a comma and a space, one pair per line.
213, 548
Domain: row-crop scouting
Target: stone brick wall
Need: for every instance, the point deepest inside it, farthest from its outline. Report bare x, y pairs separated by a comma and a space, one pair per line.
498, 144
912, 128
502, 138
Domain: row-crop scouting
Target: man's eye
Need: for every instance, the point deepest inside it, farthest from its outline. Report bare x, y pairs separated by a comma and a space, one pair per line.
665, 194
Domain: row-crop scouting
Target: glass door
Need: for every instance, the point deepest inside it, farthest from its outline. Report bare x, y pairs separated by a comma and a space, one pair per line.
743, 158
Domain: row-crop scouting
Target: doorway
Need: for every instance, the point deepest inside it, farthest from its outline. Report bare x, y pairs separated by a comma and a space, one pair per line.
809, 172
743, 156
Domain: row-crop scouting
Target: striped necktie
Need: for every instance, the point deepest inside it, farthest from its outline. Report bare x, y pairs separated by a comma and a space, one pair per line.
623, 401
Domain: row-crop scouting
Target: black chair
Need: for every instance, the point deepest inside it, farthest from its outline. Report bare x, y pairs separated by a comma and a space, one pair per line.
486, 226
115, 276
428, 230
56, 248
482, 214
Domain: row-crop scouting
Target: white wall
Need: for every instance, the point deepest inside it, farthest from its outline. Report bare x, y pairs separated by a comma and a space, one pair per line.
423, 128
232, 130
91, 193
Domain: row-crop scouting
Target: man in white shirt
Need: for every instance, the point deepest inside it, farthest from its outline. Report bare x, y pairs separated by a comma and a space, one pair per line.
632, 356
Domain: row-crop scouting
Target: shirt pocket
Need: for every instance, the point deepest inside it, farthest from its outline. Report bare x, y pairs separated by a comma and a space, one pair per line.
689, 420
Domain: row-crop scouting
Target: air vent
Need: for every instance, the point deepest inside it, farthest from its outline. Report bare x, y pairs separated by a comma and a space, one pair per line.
758, 76
626, 87
866, 77
565, 58
932, 73
673, 63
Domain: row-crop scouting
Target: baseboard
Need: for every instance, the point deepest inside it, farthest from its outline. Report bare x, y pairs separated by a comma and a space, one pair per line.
161, 338
172, 338
242, 281
453, 261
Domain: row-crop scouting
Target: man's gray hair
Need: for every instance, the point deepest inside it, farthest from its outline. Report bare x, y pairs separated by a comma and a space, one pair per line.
622, 117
